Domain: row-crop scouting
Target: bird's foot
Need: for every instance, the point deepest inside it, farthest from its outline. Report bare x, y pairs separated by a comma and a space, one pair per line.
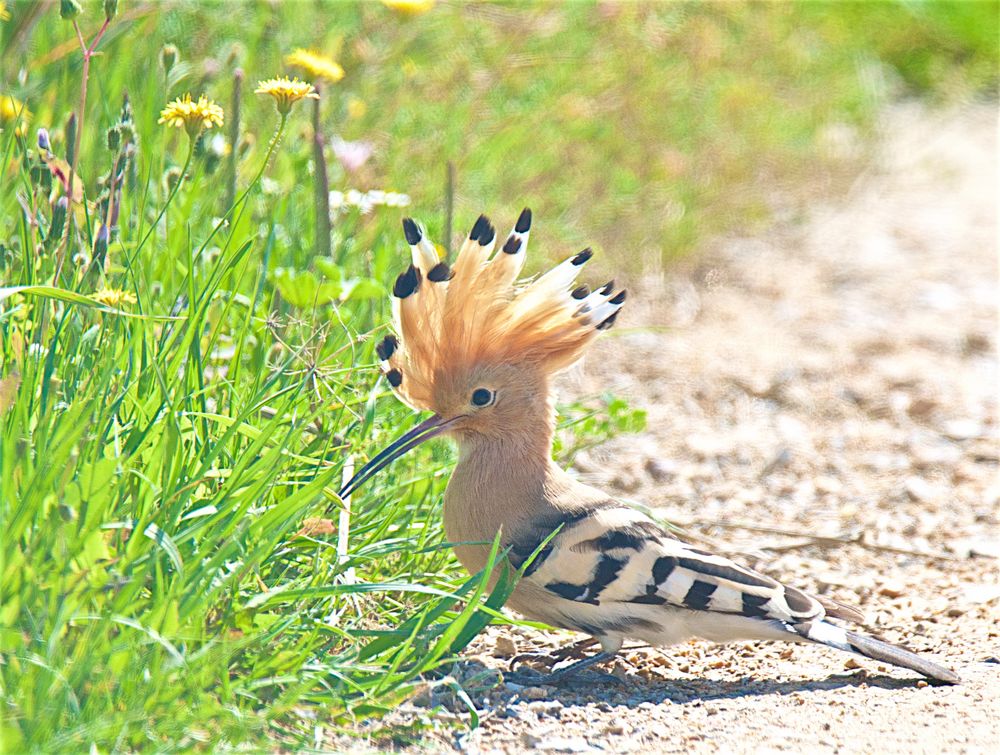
561, 675
575, 651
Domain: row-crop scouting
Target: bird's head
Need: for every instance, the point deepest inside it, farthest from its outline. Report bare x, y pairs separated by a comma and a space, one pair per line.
476, 346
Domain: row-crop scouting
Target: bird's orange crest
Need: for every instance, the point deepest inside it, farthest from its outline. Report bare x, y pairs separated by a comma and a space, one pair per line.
451, 318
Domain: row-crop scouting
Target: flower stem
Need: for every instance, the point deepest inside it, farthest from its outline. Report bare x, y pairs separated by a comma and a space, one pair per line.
234, 137
270, 151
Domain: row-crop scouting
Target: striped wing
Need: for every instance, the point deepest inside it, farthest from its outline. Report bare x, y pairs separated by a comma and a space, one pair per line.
614, 556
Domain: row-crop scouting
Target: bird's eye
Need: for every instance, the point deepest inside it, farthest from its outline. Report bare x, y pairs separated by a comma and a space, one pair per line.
483, 397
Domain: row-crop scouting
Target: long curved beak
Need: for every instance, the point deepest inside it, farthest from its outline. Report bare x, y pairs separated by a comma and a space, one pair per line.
426, 430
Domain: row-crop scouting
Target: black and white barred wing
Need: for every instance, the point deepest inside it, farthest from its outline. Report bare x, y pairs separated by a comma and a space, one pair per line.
615, 555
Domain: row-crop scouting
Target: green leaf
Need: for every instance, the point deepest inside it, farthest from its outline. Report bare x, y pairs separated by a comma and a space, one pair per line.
301, 289
163, 540
363, 289
330, 269
72, 297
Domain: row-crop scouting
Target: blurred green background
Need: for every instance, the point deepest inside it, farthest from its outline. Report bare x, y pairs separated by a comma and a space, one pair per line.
636, 127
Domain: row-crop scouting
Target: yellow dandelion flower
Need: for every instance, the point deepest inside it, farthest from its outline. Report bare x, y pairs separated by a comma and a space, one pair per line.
113, 297
286, 92
4, 15
12, 110
192, 115
409, 7
315, 65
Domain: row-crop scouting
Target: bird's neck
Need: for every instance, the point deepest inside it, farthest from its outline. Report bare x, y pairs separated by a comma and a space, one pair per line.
501, 481
518, 457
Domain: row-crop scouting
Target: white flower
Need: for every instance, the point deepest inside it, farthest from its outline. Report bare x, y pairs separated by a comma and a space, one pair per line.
218, 145
366, 202
269, 186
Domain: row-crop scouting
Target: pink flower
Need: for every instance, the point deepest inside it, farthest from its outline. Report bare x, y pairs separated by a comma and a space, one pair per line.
351, 155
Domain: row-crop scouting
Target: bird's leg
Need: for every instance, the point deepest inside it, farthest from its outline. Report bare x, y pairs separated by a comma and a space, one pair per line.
568, 672
576, 667
573, 650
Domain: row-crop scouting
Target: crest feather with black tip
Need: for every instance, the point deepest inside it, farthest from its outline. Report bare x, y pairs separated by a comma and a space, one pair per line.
477, 311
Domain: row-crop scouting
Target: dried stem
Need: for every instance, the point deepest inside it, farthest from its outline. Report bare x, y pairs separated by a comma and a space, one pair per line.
449, 205
88, 53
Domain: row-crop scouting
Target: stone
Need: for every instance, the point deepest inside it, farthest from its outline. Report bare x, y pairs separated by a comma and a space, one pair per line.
918, 489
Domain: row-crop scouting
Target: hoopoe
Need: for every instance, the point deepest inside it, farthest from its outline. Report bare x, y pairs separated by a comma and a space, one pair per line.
479, 349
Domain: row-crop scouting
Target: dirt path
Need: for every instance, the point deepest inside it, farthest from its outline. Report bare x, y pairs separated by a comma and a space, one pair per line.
837, 378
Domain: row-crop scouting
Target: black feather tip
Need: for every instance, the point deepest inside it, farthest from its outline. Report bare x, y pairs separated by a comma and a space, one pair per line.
607, 288
618, 298
481, 224
583, 256
580, 293
523, 223
395, 378
608, 321
387, 347
440, 273
512, 245
488, 234
407, 282
411, 231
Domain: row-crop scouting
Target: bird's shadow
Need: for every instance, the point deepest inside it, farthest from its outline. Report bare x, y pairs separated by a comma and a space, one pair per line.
690, 690
635, 691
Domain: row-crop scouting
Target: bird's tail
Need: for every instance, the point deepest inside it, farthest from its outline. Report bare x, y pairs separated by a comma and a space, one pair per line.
832, 635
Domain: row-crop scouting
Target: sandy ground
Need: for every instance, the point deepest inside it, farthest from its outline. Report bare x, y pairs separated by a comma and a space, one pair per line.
823, 402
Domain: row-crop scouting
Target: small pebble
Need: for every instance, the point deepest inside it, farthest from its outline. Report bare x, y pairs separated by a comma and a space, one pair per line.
892, 589
545, 707
661, 470
534, 693
962, 429
919, 489
505, 647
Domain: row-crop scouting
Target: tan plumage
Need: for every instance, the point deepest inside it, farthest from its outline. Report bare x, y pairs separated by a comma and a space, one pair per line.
475, 313
479, 349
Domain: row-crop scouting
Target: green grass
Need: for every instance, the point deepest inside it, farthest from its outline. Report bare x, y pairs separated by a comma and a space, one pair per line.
160, 460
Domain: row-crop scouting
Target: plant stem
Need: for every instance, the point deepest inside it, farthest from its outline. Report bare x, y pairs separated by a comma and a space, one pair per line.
173, 192
449, 205
88, 53
256, 179
234, 137
321, 184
